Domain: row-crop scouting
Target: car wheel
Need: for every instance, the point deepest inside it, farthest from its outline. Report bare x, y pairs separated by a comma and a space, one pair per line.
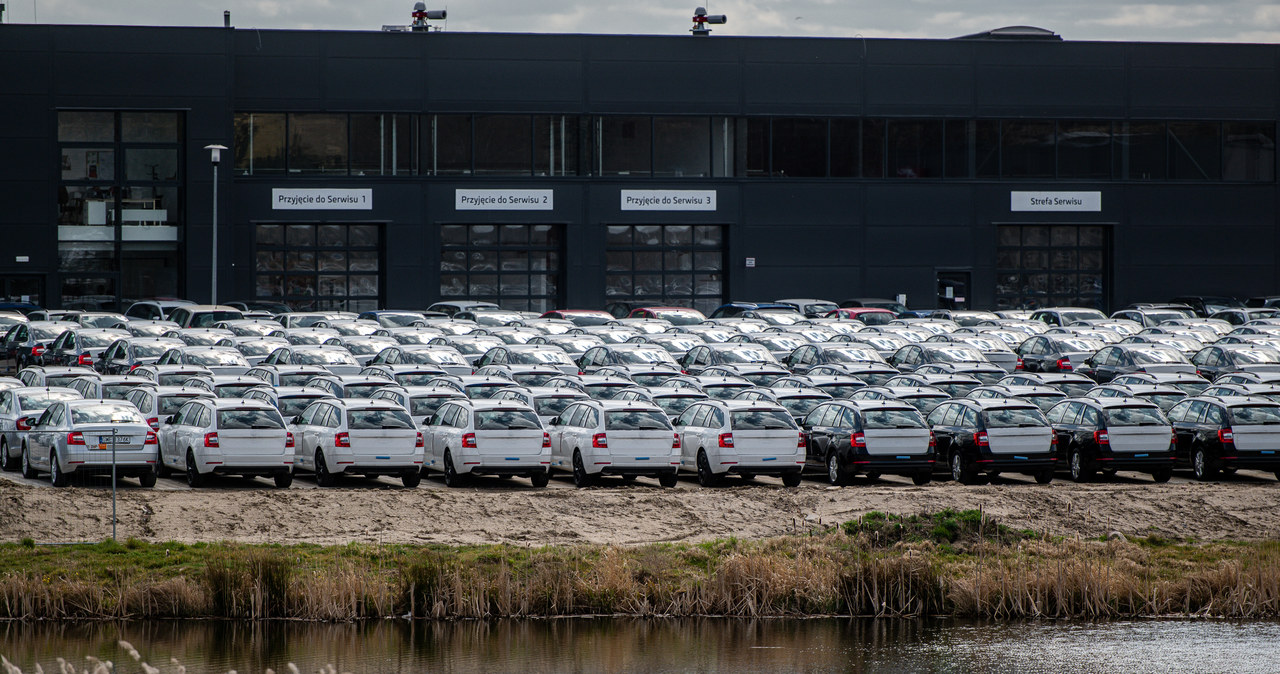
284, 479
1200, 464
162, 470
323, 477
540, 479
1080, 469
1108, 472
1161, 476
451, 476
56, 477
194, 478
31, 473
791, 479
10, 463
835, 475
1044, 477
581, 478
706, 478
667, 480
962, 470
411, 479
922, 478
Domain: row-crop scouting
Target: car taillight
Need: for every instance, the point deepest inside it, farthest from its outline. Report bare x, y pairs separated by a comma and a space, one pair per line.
1173, 438
980, 439
599, 440
1053, 439
1064, 364
37, 350
1101, 438
342, 440
151, 439
84, 359
23, 424
134, 366
469, 440
75, 438
420, 444
800, 443
933, 440
288, 440
858, 440
154, 423
546, 440
1226, 436
1019, 366
726, 439
675, 443
210, 439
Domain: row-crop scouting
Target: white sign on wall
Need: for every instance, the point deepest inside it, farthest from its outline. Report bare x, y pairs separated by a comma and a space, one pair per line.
297, 199
1055, 201
668, 200
504, 200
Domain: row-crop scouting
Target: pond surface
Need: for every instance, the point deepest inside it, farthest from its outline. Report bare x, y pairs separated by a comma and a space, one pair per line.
655, 645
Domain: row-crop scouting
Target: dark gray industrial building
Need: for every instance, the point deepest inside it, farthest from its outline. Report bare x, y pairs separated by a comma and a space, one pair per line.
372, 168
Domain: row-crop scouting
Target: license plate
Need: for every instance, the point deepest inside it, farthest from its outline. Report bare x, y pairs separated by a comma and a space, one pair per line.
770, 458
642, 458
113, 439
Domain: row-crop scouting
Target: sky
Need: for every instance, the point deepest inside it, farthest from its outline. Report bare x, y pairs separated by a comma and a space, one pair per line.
1226, 21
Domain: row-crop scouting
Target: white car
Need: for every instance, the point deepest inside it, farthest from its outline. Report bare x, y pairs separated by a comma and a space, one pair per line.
744, 437
488, 437
335, 437
78, 436
227, 436
421, 402
615, 437
159, 403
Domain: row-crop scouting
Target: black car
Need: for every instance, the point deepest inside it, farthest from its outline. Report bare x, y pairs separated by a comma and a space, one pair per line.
24, 343
807, 356
993, 436
123, 355
1117, 359
869, 437
1069, 383
1226, 434
705, 355
80, 347
1056, 353
1111, 434
1216, 360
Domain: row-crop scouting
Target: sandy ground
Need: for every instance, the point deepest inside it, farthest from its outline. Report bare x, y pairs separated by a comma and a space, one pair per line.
1244, 506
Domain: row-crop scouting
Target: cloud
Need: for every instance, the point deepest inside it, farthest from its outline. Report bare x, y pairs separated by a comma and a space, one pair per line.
1148, 17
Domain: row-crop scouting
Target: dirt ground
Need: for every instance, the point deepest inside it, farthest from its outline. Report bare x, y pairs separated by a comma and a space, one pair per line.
1245, 506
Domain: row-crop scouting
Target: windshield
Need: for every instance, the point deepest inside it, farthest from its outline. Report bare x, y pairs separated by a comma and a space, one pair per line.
1247, 415
61, 379
247, 418
150, 350
440, 357
38, 401
578, 345
676, 405
1192, 388
680, 346
201, 338
541, 356
364, 420
45, 333
425, 406
172, 403
105, 414
653, 378
1257, 355
679, 317
298, 379
99, 321
1082, 315
415, 378
293, 405
726, 391
415, 337
799, 407
956, 389
482, 391
361, 390
636, 420
471, 348
174, 378
258, 348
746, 354
1014, 417
502, 420
552, 406
853, 355
875, 318
956, 354
208, 318
118, 391
403, 320
643, 356
924, 403
533, 378
841, 390
881, 419
1157, 356
324, 358
1073, 388
366, 348
760, 420
216, 358
778, 343
1164, 400
1134, 416
96, 341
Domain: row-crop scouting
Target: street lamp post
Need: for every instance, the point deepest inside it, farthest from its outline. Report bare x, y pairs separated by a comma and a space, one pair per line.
215, 156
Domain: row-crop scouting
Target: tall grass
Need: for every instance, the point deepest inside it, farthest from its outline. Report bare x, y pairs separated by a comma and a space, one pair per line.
949, 563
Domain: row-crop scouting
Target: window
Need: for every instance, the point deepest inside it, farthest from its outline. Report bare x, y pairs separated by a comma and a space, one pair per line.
623, 146
914, 149
681, 265
1084, 150
1141, 151
516, 266
503, 145
556, 139
313, 266
381, 145
1195, 151
447, 145
318, 144
681, 146
1027, 149
259, 143
1051, 265
799, 148
1249, 151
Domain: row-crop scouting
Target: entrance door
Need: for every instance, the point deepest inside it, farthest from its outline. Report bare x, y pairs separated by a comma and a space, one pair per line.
953, 289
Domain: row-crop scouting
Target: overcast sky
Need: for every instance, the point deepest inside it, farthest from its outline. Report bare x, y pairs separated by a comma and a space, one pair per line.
1226, 21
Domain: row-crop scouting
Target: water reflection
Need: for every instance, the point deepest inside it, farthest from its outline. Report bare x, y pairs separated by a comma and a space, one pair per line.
634, 645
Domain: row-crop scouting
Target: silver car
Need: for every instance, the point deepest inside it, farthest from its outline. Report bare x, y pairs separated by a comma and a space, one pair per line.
77, 436
19, 407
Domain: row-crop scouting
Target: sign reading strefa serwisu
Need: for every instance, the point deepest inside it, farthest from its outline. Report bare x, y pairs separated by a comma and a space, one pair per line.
1055, 201
297, 199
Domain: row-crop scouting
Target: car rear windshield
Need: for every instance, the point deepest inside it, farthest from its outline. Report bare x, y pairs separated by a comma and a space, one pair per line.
1135, 416
105, 414
552, 406
1258, 355
249, 418
760, 420
258, 348
201, 338
679, 317
1247, 415
43, 333
216, 358
425, 406
1074, 388
1164, 400
296, 379
1014, 417
636, 420
171, 404
533, 378
434, 358
324, 358
724, 392
234, 390
925, 403
118, 391
39, 401
293, 406
881, 419
503, 420
482, 391
415, 378
364, 420
150, 350
746, 354
206, 318
97, 341
799, 407
361, 390
676, 405
841, 390
62, 379
1089, 315
1157, 356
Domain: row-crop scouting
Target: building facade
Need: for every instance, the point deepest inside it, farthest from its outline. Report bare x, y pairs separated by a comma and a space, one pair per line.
375, 169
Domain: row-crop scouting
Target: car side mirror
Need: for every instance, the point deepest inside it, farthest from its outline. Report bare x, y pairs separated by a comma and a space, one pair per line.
553, 421
296, 420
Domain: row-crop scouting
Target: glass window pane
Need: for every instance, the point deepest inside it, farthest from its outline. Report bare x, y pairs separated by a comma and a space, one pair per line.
515, 260
708, 284
648, 261
625, 146
986, 148
150, 127
755, 153
331, 236
873, 148
515, 235
86, 127
1249, 151
708, 235
799, 147
617, 285
301, 236
503, 145
1084, 150
363, 285
259, 143
648, 235
449, 145
545, 235
1195, 151
617, 261
369, 134
914, 149
1009, 236
318, 144
453, 260
332, 260
678, 260
1141, 150
1063, 236
515, 284
1092, 236
678, 235
150, 164
86, 256
678, 284
555, 145
453, 285
270, 235
80, 163
845, 151
681, 146
484, 284
361, 261
92, 293
270, 261
618, 235
484, 235
1035, 236
300, 261
269, 285
363, 236
1027, 149
707, 261
959, 146
453, 235
332, 285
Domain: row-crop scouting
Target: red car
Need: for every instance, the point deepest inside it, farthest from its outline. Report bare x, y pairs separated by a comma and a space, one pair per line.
867, 315
673, 315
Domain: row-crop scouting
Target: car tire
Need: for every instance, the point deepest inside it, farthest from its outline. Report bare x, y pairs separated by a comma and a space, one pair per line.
1201, 467
452, 478
147, 480
161, 469
1081, 471
540, 480
835, 474
1162, 475
581, 478
962, 469
194, 479
1227, 470
922, 478
284, 479
667, 480
10, 463
872, 475
1044, 477
31, 473
411, 479
323, 477
706, 478
791, 479
56, 477
1108, 472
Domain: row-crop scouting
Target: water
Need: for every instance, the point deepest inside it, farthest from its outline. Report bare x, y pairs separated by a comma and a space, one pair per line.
634, 645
